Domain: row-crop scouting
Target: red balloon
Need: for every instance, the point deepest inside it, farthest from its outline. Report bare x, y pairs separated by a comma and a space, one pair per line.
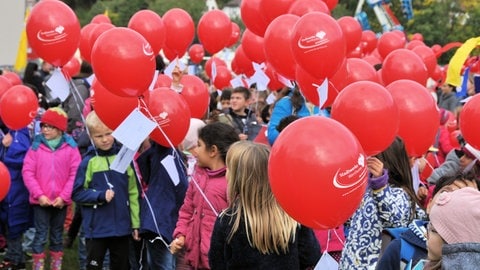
223, 78
428, 57
196, 53
171, 112
369, 111
356, 53
150, 25
369, 41
318, 36
18, 107
334, 173
110, 108
53, 32
360, 70
195, 93
118, 49
417, 36
180, 30
5, 84
308, 86
274, 84
469, 119
163, 81
388, 43
72, 67
171, 54
404, 64
280, 31
352, 30
372, 60
241, 64
251, 14
97, 31
84, 46
4, 181
253, 46
437, 49
414, 43
100, 18
302, 7
340, 78
271, 9
214, 30
401, 34
419, 120
208, 65
13, 78
234, 35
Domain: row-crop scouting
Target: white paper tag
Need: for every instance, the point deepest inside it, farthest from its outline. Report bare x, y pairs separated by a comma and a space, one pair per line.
134, 129
322, 91
326, 262
58, 85
123, 159
90, 79
169, 164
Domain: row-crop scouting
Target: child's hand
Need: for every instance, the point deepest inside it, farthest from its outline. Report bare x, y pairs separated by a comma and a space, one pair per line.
44, 201
109, 194
375, 166
422, 192
136, 235
177, 244
58, 203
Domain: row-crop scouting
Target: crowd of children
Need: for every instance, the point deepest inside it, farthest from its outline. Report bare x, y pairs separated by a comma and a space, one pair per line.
207, 203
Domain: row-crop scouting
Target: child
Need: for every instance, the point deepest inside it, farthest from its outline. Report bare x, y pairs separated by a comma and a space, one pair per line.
49, 171
198, 213
15, 214
109, 200
254, 232
454, 230
389, 201
165, 181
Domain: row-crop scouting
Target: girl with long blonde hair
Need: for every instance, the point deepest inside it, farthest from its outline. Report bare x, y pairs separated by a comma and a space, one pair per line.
254, 231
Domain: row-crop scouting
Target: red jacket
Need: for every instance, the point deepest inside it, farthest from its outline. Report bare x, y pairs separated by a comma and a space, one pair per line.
197, 218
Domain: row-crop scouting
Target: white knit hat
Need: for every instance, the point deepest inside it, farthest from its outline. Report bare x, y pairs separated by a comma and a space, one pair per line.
192, 135
456, 215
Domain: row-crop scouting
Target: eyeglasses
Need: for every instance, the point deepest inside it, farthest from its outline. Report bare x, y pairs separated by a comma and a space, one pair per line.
46, 126
430, 229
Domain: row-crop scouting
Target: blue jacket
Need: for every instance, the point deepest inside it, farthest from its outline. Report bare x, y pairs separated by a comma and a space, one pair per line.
15, 209
94, 177
164, 196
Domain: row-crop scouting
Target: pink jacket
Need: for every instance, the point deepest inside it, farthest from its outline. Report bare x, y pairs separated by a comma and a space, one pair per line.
51, 173
196, 218
337, 239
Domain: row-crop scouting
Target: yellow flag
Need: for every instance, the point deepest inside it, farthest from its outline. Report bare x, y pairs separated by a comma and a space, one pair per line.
106, 12
21, 61
458, 59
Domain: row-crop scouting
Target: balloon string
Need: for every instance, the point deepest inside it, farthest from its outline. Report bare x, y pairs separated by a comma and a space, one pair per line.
143, 105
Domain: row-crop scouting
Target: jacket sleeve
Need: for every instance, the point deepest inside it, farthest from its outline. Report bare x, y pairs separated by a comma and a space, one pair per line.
81, 193
282, 109
308, 248
29, 172
74, 162
451, 165
444, 141
218, 243
185, 214
15, 154
133, 196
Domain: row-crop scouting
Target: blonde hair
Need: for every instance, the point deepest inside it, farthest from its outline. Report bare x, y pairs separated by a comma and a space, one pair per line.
269, 229
94, 123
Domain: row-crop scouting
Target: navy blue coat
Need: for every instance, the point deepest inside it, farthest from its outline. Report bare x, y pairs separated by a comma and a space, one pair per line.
15, 211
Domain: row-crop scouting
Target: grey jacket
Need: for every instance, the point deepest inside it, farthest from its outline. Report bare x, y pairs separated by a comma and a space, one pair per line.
462, 256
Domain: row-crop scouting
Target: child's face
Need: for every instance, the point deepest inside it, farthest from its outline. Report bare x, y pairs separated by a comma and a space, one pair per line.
202, 154
238, 103
50, 132
102, 138
434, 244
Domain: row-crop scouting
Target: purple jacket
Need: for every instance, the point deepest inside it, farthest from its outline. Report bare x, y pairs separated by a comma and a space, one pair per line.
196, 218
51, 172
